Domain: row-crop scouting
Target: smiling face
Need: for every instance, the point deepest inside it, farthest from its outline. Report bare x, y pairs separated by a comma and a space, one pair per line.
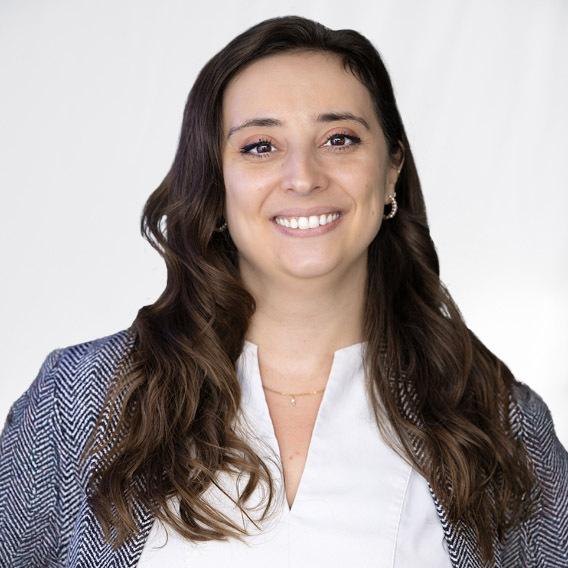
305, 167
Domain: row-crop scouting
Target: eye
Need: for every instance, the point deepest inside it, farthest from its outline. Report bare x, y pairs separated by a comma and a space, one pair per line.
258, 149
340, 140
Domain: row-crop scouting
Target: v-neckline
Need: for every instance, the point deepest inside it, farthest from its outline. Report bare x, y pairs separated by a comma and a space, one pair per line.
251, 377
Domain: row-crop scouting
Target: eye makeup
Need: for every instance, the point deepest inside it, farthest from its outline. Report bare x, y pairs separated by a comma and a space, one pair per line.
249, 149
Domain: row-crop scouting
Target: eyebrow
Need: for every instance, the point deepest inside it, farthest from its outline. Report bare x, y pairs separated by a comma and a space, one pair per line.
337, 116
255, 122
326, 117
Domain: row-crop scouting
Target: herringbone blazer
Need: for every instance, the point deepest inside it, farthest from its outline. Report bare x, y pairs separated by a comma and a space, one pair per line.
45, 519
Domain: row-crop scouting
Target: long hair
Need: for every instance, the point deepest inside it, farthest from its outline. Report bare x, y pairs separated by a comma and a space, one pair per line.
171, 413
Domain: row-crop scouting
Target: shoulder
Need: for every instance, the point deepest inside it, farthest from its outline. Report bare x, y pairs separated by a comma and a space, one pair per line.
530, 416
532, 422
42, 474
103, 353
71, 367
82, 376
87, 369
69, 390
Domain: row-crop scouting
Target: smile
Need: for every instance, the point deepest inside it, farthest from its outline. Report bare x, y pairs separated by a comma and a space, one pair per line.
303, 223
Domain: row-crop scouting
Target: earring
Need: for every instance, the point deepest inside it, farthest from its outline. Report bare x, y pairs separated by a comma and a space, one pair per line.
221, 228
394, 207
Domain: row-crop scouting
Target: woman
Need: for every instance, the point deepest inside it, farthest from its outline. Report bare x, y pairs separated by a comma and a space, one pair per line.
304, 391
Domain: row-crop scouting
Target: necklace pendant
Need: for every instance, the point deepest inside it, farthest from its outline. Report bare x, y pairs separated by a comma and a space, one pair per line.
293, 401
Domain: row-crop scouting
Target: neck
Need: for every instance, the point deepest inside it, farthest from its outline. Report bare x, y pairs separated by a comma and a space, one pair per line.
299, 323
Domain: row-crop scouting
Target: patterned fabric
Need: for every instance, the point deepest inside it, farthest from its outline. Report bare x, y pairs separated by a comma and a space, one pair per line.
45, 520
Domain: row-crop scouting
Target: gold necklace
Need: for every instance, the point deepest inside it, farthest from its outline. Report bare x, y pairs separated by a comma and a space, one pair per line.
292, 395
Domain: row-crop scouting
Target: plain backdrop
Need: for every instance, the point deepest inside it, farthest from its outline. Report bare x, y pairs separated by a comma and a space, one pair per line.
90, 111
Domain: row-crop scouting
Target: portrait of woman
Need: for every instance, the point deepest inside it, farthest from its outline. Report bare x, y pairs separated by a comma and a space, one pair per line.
304, 391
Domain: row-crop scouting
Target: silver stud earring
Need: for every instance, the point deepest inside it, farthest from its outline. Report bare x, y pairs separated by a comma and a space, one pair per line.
221, 228
394, 207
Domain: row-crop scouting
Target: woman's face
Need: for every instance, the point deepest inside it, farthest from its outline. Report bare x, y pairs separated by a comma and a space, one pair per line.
305, 166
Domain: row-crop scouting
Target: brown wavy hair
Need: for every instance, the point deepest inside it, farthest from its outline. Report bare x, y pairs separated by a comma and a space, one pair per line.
170, 416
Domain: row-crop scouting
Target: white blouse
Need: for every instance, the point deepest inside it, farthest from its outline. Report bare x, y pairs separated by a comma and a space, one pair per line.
358, 503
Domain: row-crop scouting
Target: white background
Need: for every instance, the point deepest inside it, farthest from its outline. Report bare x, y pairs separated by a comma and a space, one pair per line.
90, 111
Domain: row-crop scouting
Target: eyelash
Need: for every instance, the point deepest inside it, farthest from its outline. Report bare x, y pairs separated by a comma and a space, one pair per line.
247, 149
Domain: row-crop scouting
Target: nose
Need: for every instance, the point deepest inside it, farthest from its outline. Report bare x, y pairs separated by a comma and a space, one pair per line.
302, 172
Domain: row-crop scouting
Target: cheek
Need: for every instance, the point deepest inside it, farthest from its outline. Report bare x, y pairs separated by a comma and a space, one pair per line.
235, 192
364, 178
370, 203
242, 202
245, 195
371, 193
243, 210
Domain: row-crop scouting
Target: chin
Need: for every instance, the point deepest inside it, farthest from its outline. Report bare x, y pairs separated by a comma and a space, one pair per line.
310, 268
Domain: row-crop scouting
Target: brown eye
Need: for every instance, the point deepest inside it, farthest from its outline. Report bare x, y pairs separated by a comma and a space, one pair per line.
256, 148
337, 140
342, 140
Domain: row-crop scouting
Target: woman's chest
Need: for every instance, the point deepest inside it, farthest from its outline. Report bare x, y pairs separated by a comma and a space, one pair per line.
293, 427
356, 501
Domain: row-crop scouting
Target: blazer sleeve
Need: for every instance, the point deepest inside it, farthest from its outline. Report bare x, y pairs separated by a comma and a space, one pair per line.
30, 454
545, 534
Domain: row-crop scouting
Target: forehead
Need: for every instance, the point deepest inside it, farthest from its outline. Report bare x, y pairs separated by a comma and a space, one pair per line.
303, 83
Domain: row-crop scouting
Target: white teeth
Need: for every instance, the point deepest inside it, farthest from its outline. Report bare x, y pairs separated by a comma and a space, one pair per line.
302, 223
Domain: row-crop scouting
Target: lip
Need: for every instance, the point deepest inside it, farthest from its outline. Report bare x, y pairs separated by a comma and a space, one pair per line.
306, 233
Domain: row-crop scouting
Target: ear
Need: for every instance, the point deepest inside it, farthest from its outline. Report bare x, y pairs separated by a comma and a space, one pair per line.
396, 161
